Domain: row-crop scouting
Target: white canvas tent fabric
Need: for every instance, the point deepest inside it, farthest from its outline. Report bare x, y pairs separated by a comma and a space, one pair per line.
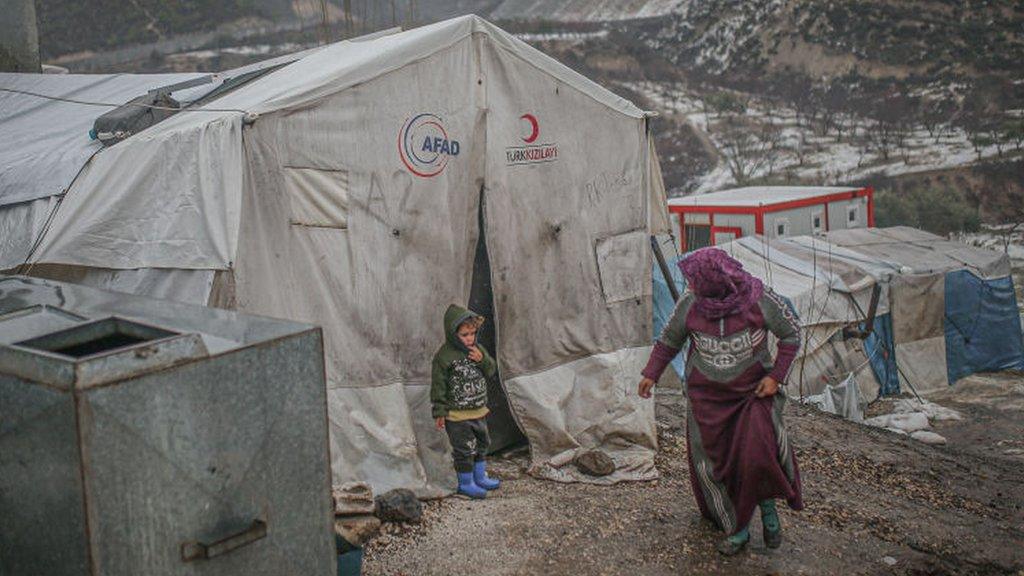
310, 203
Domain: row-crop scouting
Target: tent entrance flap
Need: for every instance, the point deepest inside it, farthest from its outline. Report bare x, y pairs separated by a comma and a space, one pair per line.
500, 423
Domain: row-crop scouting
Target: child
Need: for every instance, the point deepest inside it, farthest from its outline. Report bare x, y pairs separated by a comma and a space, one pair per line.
458, 398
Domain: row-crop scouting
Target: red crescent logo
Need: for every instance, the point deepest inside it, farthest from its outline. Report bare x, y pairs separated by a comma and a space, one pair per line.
534, 127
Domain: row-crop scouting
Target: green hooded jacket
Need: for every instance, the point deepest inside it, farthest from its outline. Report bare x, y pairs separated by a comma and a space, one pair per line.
458, 383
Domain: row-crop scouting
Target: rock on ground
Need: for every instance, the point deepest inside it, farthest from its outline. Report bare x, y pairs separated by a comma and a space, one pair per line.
357, 530
928, 437
594, 463
399, 505
353, 498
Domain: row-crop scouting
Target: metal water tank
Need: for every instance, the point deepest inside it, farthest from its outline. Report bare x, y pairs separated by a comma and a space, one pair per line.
142, 436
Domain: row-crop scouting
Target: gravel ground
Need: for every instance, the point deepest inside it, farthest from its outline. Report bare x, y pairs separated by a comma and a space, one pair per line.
877, 503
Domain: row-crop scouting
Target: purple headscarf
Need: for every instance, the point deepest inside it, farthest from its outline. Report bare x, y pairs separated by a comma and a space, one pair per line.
720, 283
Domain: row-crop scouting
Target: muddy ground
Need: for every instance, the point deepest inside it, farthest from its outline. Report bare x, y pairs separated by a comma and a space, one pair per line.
876, 503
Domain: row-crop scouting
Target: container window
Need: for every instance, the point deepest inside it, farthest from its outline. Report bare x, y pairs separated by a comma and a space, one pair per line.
817, 222
781, 227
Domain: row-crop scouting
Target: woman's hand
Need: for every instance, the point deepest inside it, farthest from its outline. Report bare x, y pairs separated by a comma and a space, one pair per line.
439, 422
646, 385
767, 387
475, 354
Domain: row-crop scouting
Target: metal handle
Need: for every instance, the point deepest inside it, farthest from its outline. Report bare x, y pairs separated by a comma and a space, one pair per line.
200, 551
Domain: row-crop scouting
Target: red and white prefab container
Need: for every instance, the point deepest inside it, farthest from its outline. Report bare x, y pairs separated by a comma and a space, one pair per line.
773, 211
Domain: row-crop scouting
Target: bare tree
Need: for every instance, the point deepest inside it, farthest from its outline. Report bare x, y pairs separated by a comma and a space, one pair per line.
1003, 199
893, 124
934, 114
1015, 133
977, 128
748, 149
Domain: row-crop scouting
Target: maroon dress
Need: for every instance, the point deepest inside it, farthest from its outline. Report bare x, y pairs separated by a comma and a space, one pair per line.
739, 452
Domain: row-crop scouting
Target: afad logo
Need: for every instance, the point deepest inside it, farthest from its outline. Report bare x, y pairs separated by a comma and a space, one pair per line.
531, 152
424, 145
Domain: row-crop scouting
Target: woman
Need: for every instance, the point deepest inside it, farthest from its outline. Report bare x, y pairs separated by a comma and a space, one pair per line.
739, 454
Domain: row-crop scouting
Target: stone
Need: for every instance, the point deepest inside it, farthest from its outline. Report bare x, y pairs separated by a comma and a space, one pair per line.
398, 505
889, 560
353, 498
357, 530
594, 463
928, 437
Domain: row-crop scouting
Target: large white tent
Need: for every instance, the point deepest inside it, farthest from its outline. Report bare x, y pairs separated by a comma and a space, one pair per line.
343, 189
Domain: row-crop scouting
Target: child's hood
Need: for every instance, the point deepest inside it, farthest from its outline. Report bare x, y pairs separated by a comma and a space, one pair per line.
453, 318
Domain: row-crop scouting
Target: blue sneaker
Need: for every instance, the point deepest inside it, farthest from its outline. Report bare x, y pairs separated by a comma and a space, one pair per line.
480, 476
468, 487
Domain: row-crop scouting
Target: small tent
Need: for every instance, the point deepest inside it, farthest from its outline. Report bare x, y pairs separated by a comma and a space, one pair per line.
364, 187
944, 309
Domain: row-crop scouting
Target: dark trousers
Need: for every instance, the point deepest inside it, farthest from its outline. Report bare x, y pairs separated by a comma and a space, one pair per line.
469, 440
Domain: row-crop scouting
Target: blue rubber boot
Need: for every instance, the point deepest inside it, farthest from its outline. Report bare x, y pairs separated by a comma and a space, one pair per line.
480, 476
468, 487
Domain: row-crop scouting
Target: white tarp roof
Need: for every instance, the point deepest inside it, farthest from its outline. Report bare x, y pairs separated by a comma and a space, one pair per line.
915, 251
46, 142
758, 196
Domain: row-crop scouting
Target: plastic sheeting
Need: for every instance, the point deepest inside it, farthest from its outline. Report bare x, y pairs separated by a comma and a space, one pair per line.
982, 325
21, 225
917, 303
841, 400
586, 404
189, 286
47, 141
156, 200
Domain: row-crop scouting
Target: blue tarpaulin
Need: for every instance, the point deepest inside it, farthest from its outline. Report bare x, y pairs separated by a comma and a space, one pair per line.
982, 323
879, 348
664, 305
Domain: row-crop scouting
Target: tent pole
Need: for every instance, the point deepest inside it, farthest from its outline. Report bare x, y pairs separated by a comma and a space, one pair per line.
893, 352
664, 269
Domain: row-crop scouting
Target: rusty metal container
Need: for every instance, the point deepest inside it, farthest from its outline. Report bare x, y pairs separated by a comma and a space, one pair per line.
141, 436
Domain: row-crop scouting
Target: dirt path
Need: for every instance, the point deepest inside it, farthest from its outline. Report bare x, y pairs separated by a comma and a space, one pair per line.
877, 503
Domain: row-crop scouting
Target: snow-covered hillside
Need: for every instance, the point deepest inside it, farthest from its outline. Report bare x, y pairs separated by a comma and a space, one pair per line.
772, 141
586, 10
